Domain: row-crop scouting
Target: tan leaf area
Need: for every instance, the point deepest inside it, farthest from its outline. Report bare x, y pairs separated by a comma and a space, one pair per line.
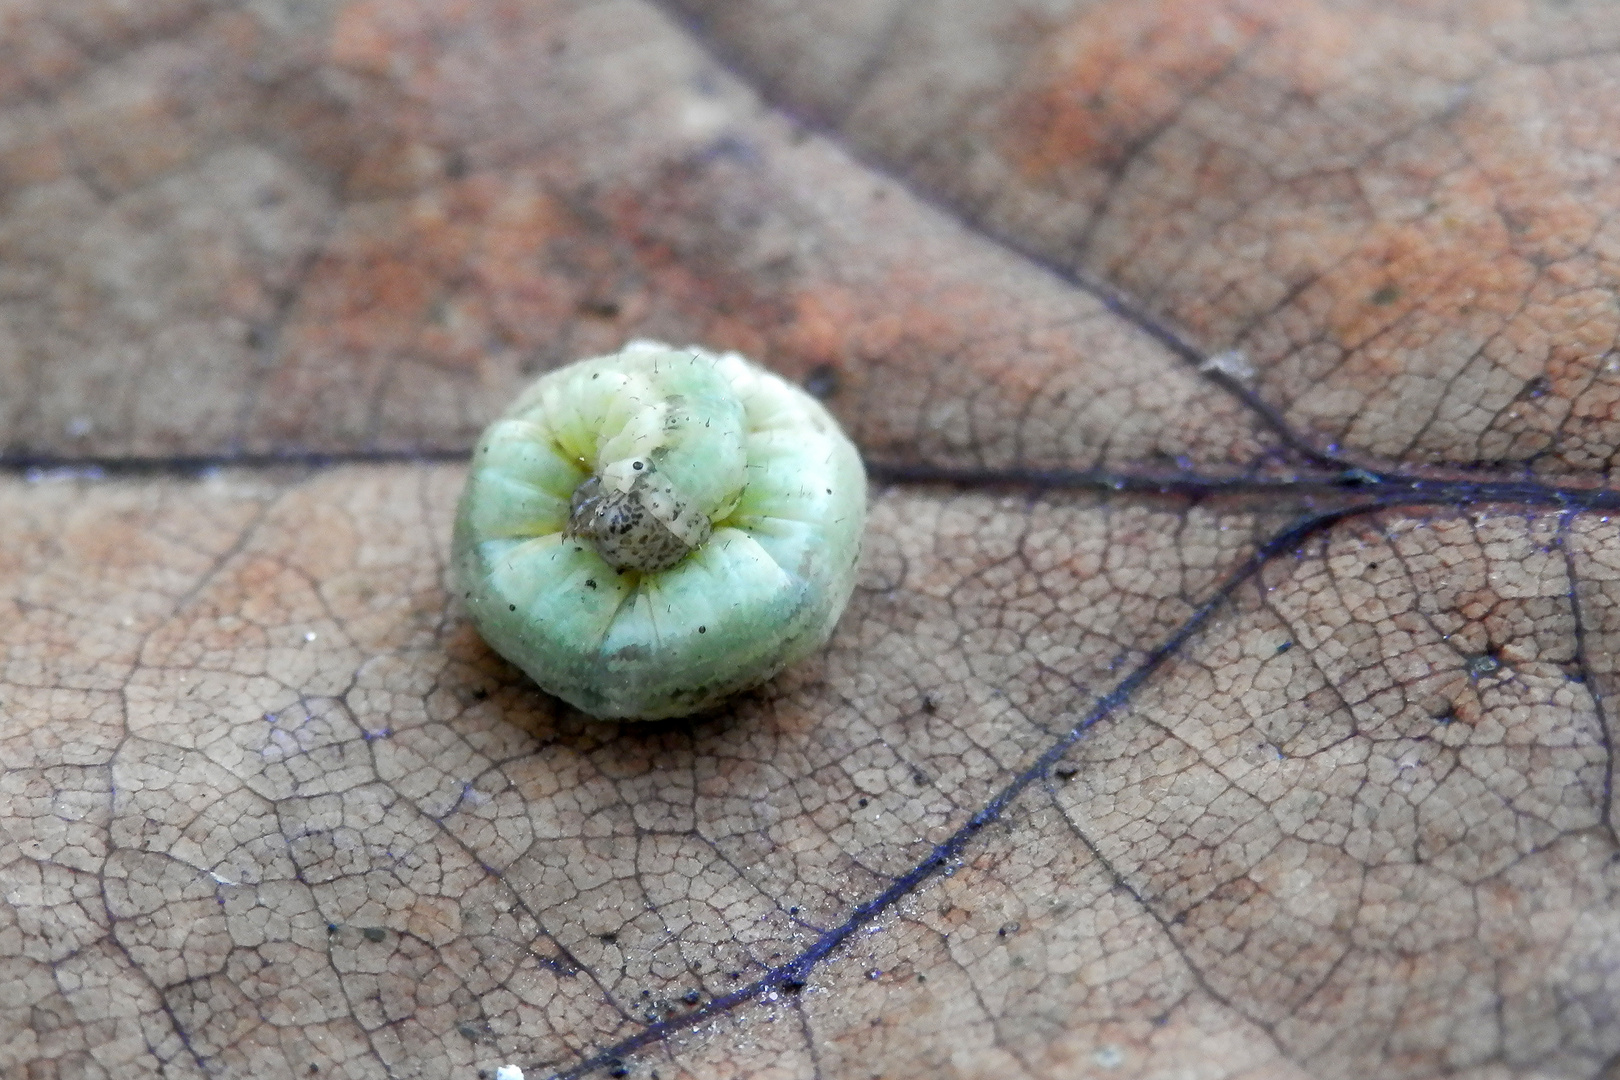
1228, 688
301, 806
367, 226
1401, 214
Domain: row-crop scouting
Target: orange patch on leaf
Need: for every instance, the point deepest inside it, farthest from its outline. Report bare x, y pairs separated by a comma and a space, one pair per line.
1114, 74
475, 248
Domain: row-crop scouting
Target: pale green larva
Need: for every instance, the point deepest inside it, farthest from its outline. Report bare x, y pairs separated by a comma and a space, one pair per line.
648, 532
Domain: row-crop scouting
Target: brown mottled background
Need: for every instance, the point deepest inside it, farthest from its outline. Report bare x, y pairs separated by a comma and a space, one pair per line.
270, 809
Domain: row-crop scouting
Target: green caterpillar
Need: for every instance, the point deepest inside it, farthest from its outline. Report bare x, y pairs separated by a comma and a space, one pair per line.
649, 532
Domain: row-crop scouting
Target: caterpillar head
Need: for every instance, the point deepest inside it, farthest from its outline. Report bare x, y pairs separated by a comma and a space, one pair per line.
635, 529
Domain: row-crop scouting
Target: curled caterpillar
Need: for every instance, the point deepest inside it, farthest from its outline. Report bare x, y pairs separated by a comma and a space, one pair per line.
649, 532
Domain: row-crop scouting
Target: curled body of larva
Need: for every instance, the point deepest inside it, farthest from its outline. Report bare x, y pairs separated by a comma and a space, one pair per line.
648, 532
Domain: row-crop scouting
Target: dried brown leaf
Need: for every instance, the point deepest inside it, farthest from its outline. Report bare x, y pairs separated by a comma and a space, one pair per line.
1225, 693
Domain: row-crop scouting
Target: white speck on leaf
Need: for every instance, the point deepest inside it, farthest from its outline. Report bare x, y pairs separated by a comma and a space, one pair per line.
1109, 1057
1231, 363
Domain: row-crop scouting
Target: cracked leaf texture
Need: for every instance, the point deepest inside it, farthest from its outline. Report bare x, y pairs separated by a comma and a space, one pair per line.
1228, 687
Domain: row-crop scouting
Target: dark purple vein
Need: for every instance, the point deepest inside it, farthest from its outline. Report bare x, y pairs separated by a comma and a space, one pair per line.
1370, 490
92, 467
796, 972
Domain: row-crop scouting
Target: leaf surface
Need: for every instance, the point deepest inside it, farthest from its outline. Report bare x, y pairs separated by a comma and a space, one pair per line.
1226, 691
